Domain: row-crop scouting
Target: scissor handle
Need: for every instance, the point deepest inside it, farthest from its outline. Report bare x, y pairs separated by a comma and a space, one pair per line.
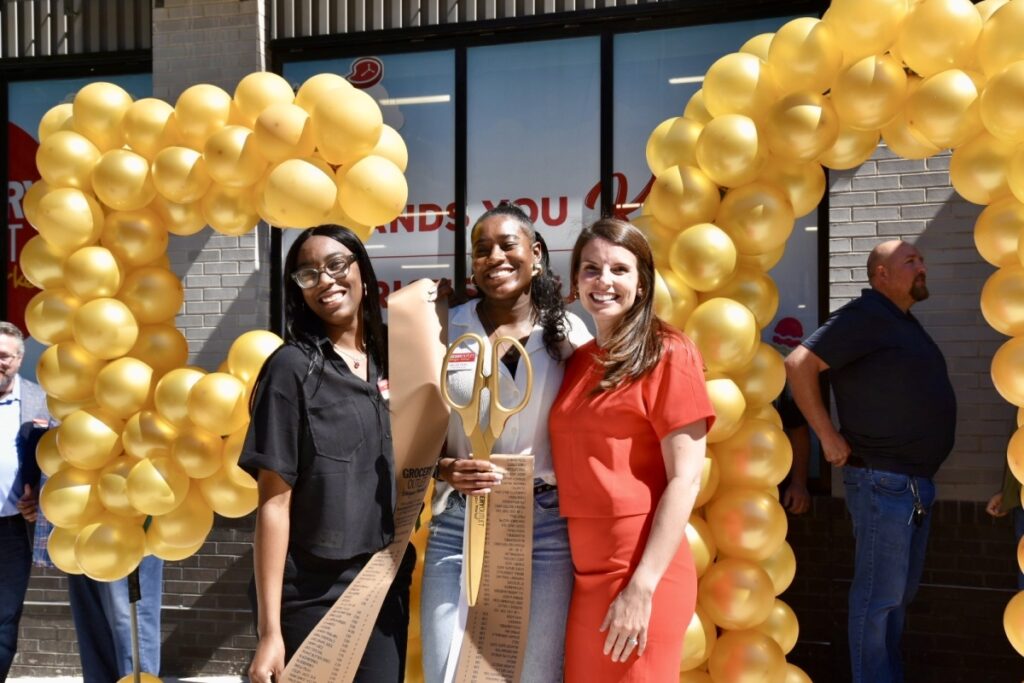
499, 414
470, 411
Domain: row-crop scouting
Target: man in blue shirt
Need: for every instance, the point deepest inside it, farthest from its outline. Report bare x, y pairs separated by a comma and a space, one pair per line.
897, 417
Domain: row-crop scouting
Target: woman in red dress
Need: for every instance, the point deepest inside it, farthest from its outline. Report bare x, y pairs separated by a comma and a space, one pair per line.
627, 437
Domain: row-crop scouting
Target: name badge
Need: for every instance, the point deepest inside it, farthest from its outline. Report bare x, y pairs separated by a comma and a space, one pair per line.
384, 388
462, 361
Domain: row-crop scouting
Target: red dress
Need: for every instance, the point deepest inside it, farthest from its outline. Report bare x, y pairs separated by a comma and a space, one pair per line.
611, 475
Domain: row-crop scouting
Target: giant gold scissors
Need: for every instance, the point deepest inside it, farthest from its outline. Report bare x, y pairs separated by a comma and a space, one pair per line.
482, 438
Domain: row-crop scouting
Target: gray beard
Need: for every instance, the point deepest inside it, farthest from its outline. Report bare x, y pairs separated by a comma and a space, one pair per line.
919, 292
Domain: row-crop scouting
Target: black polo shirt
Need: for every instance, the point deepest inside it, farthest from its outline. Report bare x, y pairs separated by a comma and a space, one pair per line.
327, 433
897, 409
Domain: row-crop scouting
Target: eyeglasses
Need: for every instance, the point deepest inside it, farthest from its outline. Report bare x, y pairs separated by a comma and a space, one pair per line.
335, 269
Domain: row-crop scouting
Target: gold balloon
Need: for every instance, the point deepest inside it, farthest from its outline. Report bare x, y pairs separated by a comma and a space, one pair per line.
730, 150
30, 201
781, 626
48, 456
347, 123
708, 480
758, 217
299, 195
228, 210
42, 264
865, 27
61, 547
249, 351
673, 143
90, 438
185, 526
157, 485
659, 236
153, 294
146, 435
48, 315
233, 446
997, 231
217, 403
780, 567
144, 677
748, 524
180, 175
392, 147
725, 331
105, 328
801, 126
179, 219
729, 405
317, 87
695, 109
1015, 454
230, 492
92, 272
112, 485
754, 289
121, 180
124, 387
999, 44
201, 111
155, 546
172, 394
764, 378
735, 594
802, 182
805, 56
68, 219
53, 120
945, 109
1002, 300
757, 455
702, 544
161, 347
1002, 112
694, 675
1008, 371
939, 35
746, 657
68, 372
698, 642
98, 112
764, 412
284, 131
1015, 174
110, 549
853, 147
260, 90
682, 300
759, 45
869, 93
150, 126
903, 139
69, 497
198, 451
794, 674
372, 191
739, 83
61, 409
66, 159
1013, 622
682, 196
232, 157
703, 256
978, 169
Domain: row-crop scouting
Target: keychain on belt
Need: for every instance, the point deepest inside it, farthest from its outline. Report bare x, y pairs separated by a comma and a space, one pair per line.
917, 516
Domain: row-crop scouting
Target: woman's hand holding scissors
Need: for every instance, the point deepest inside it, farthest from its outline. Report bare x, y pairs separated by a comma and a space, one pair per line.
469, 476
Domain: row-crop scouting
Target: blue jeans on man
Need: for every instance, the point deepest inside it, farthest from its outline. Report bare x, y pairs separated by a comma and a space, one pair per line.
15, 568
888, 562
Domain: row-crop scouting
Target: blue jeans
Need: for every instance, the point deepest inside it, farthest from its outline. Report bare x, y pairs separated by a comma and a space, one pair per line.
549, 594
104, 627
15, 567
888, 561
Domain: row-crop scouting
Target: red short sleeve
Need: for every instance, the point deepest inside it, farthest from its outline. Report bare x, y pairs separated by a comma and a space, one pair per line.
675, 392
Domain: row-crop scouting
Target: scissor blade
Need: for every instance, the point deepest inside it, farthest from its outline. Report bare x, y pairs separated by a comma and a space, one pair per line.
475, 542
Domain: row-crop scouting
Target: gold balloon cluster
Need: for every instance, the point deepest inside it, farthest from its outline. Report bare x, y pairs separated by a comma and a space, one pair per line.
147, 448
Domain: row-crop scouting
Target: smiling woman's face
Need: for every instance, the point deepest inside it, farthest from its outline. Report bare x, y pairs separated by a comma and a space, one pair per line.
503, 258
607, 281
335, 301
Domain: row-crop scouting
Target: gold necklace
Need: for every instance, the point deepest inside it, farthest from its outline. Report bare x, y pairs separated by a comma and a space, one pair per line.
356, 360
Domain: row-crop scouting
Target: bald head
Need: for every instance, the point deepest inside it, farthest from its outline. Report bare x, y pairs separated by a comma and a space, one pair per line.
896, 269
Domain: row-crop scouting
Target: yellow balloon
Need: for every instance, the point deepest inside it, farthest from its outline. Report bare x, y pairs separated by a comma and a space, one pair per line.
852, 148
198, 451
200, 111
725, 331
764, 378
759, 45
53, 120
739, 83
999, 44
121, 180
110, 549
748, 524
730, 150
229, 210
997, 231
347, 124
171, 553
48, 456
682, 300
61, 409
865, 27
299, 195
729, 405
180, 175
939, 35
1015, 454
781, 626
979, 168
172, 392
659, 235
757, 216
703, 256
146, 435
217, 403
698, 642
124, 387
249, 351
764, 412
735, 594
92, 272
68, 219
105, 328
42, 264
746, 657
233, 446
68, 372
89, 439
801, 126
1008, 371
754, 289
372, 191
69, 498
903, 139
805, 56
780, 567
179, 219
150, 126
66, 159
695, 675
48, 315
260, 90
30, 201
61, 547
945, 109
98, 113
185, 526
1015, 174
673, 143
682, 196
161, 347
112, 485
758, 455
695, 109
157, 485
230, 492
869, 93
316, 87
232, 157
1002, 300
1013, 622
392, 147
284, 131
153, 294
794, 674
708, 481
1001, 110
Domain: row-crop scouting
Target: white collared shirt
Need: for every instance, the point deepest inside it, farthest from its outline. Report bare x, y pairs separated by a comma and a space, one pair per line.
10, 424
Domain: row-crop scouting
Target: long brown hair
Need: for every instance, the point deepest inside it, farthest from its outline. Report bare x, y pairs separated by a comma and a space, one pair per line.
634, 346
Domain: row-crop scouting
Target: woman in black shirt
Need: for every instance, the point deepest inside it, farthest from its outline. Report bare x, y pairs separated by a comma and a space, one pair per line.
319, 445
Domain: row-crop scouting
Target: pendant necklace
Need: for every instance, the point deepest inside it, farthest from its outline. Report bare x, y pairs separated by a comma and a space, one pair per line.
356, 360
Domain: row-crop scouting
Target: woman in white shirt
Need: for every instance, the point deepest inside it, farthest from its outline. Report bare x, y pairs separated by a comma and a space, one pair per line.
521, 298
